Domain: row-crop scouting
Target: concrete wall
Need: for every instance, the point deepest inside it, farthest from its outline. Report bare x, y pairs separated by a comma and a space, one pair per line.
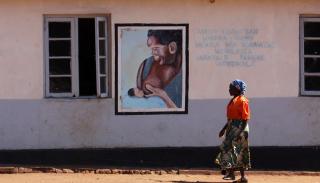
257, 41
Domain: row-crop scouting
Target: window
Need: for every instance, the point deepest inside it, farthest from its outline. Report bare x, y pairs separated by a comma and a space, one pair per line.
310, 55
76, 56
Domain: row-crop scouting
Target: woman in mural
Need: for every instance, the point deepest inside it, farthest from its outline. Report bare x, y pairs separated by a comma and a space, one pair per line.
235, 154
160, 75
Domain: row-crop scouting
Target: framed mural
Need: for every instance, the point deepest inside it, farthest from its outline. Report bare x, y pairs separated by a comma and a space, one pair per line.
151, 68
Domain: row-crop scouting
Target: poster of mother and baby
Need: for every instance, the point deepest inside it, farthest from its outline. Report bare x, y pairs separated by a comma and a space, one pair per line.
151, 68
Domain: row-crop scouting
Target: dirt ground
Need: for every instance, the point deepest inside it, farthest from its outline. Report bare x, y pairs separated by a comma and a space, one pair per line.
149, 178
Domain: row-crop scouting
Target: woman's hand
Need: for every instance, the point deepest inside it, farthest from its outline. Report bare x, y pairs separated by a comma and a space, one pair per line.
155, 91
162, 94
221, 133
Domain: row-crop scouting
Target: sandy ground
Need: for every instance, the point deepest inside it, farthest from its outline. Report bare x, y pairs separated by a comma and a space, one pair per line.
150, 178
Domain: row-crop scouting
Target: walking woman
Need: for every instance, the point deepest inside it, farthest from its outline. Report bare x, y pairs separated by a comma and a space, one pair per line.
234, 150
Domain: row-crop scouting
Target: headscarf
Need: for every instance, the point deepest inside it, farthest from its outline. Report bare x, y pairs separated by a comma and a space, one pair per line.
240, 85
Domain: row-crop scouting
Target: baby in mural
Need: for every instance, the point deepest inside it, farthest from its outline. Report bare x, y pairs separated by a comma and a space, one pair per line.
160, 75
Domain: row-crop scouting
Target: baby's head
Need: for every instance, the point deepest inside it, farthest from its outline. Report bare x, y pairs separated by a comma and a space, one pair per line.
135, 92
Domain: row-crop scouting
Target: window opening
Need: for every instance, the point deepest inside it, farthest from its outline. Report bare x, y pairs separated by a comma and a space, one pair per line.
87, 57
76, 56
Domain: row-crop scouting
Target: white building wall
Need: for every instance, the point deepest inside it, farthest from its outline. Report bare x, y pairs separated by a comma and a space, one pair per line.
279, 116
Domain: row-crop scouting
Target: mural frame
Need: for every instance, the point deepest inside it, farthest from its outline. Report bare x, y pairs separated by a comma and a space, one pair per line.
119, 50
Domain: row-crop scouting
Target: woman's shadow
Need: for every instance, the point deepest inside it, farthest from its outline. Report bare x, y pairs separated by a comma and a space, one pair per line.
198, 182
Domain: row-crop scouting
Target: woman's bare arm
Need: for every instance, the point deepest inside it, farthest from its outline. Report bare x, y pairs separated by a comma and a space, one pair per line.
139, 75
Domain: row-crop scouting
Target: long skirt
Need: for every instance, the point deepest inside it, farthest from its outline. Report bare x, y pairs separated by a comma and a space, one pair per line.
234, 150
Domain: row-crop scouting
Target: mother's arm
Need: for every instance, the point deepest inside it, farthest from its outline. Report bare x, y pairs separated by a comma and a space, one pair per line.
140, 75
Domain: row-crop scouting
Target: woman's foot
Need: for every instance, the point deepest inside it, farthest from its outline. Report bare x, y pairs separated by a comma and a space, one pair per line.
223, 172
229, 176
242, 180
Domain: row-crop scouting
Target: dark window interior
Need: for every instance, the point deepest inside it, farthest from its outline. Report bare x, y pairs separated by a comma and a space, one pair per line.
60, 48
59, 30
312, 47
312, 29
60, 84
312, 65
312, 83
59, 66
87, 63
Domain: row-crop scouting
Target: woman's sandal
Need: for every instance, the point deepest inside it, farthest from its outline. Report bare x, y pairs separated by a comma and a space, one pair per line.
229, 176
242, 180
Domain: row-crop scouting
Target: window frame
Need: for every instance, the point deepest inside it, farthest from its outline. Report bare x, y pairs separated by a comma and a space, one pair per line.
302, 38
73, 19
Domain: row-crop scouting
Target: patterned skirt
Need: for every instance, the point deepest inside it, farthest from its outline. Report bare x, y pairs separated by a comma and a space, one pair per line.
234, 150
